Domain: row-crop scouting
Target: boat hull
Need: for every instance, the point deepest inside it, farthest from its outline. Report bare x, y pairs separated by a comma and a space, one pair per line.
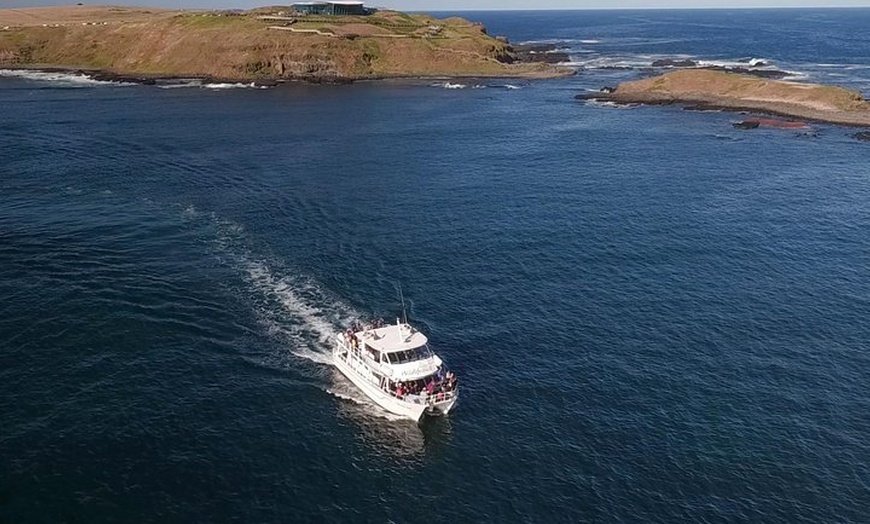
413, 407
388, 402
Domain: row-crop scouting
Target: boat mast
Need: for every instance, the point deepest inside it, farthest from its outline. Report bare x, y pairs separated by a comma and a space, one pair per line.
402, 298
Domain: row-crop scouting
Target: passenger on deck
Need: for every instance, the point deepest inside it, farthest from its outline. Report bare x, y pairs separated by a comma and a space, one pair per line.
451, 381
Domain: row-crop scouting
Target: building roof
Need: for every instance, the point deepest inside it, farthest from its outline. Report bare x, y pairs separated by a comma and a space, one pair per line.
339, 2
394, 337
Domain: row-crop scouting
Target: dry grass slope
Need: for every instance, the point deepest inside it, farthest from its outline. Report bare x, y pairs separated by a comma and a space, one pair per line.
243, 46
728, 90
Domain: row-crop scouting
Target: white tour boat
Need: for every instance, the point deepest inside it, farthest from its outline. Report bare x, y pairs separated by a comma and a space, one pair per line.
393, 365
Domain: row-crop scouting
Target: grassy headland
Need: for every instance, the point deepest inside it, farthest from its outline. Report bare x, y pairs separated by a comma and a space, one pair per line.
261, 44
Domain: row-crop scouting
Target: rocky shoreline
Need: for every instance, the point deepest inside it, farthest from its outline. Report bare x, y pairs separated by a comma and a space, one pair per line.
101, 75
706, 89
749, 67
545, 53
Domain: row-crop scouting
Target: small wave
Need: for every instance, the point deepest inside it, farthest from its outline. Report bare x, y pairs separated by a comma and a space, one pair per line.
846, 67
180, 84
545, 41
611, 62
480, 86
796, 75
559, 42
238, 85
190, 212
508, 87
854, 76
199, 84
620, 61
63, 79
609, 104
755, 63
644, 61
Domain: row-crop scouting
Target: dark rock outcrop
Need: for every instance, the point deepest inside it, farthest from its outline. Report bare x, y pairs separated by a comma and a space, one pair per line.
670, 62
106, 76
751, 69
601, 94
587, 96
746, 124
752, 123
547, 53
771, 74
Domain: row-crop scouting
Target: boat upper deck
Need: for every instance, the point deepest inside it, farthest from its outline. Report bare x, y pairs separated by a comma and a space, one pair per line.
393, 337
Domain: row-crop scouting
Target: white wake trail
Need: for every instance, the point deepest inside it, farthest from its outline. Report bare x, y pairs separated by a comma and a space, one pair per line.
307, 317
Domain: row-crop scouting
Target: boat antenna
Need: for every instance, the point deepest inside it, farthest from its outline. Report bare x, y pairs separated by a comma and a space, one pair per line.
402, 298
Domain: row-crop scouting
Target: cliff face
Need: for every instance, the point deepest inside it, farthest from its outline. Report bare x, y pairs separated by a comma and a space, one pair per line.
734, 91
254, 45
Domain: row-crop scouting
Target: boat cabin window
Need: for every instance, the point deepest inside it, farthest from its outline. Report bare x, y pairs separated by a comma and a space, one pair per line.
410, 355
373, 353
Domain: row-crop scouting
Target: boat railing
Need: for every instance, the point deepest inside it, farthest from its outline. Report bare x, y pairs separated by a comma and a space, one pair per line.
369, 360
423, 397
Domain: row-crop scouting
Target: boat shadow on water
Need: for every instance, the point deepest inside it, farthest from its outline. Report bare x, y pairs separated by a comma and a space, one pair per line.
384, 433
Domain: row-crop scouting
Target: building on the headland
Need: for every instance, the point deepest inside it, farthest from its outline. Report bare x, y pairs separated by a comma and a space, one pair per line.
337, 7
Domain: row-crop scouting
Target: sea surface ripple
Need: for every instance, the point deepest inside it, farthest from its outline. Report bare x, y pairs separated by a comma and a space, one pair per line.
654, 316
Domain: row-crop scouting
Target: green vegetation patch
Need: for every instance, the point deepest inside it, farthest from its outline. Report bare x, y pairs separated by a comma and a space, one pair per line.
371, 53
209, 20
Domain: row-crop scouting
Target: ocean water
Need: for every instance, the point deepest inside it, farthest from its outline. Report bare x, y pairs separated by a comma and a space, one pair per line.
655, 317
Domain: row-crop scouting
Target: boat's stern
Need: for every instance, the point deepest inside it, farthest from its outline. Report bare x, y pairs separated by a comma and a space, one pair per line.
443, 405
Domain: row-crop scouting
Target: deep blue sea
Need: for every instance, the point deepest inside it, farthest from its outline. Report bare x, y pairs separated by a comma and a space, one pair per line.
655, 317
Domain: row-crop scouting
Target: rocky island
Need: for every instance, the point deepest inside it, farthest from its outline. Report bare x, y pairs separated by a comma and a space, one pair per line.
703, 88
262, 45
